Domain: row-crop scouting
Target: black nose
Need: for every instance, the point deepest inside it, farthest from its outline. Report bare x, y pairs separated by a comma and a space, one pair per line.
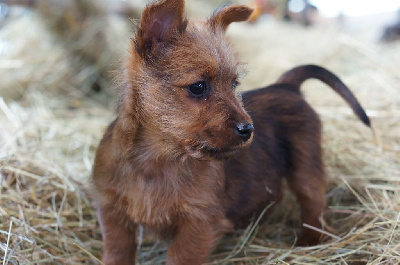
244, 130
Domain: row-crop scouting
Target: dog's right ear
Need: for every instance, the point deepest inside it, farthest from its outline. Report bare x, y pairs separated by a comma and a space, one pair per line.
160, 25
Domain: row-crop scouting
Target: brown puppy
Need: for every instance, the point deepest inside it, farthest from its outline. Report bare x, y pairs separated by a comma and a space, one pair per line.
163, 162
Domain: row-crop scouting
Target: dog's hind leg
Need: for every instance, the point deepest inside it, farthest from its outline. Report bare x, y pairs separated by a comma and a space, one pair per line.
308, 184
307, 181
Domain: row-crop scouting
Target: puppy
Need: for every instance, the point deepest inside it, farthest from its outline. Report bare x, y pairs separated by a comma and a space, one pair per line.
178, 158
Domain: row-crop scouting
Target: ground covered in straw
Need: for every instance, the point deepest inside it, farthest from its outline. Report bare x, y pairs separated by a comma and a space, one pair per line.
50, 127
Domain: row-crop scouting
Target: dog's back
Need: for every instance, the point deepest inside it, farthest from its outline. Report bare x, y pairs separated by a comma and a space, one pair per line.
286, 144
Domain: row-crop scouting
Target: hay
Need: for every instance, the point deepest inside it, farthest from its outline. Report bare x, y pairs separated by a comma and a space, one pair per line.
47, 145
69, 46
43, 154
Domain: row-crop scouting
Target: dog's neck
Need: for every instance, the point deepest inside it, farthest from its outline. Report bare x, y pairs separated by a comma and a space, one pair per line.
155, 158
151, 144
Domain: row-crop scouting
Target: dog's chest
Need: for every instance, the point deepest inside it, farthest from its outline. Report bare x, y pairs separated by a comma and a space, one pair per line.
162, 195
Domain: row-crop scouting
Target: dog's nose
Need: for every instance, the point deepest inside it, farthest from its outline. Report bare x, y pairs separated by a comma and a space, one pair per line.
244, 130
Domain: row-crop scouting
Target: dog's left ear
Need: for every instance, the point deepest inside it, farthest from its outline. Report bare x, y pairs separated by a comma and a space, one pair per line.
224, 16
161, 23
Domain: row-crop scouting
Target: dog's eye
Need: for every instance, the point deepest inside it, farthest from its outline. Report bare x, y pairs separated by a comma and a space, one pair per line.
235, 84
198, 89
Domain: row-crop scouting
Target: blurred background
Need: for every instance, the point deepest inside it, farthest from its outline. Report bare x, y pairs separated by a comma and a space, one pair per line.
77, 44
60, 65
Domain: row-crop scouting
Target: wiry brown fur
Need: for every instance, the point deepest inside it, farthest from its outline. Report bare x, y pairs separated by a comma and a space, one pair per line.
162, 162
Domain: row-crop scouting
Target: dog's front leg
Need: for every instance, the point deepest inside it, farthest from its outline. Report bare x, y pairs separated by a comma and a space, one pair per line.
194, 241
119, 237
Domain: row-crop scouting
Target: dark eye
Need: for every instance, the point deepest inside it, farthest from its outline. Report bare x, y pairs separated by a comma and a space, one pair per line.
198, 89
235, 84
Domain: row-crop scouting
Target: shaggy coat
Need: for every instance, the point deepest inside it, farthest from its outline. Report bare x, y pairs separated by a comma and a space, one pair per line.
181, 157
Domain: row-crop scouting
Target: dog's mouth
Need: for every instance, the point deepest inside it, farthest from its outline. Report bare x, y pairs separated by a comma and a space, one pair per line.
219, 153
205, 152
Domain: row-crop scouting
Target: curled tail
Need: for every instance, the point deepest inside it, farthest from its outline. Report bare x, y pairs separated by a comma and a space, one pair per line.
298, 75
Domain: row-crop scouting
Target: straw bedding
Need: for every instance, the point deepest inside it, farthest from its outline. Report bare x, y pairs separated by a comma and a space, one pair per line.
50, 127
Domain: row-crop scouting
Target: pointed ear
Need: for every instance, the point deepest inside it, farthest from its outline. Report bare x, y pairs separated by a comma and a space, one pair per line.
160, 24
224, 16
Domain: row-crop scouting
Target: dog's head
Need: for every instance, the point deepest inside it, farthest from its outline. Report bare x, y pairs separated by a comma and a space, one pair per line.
186, 74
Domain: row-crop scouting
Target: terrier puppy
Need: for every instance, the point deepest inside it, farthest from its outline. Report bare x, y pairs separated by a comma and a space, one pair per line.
175, 158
